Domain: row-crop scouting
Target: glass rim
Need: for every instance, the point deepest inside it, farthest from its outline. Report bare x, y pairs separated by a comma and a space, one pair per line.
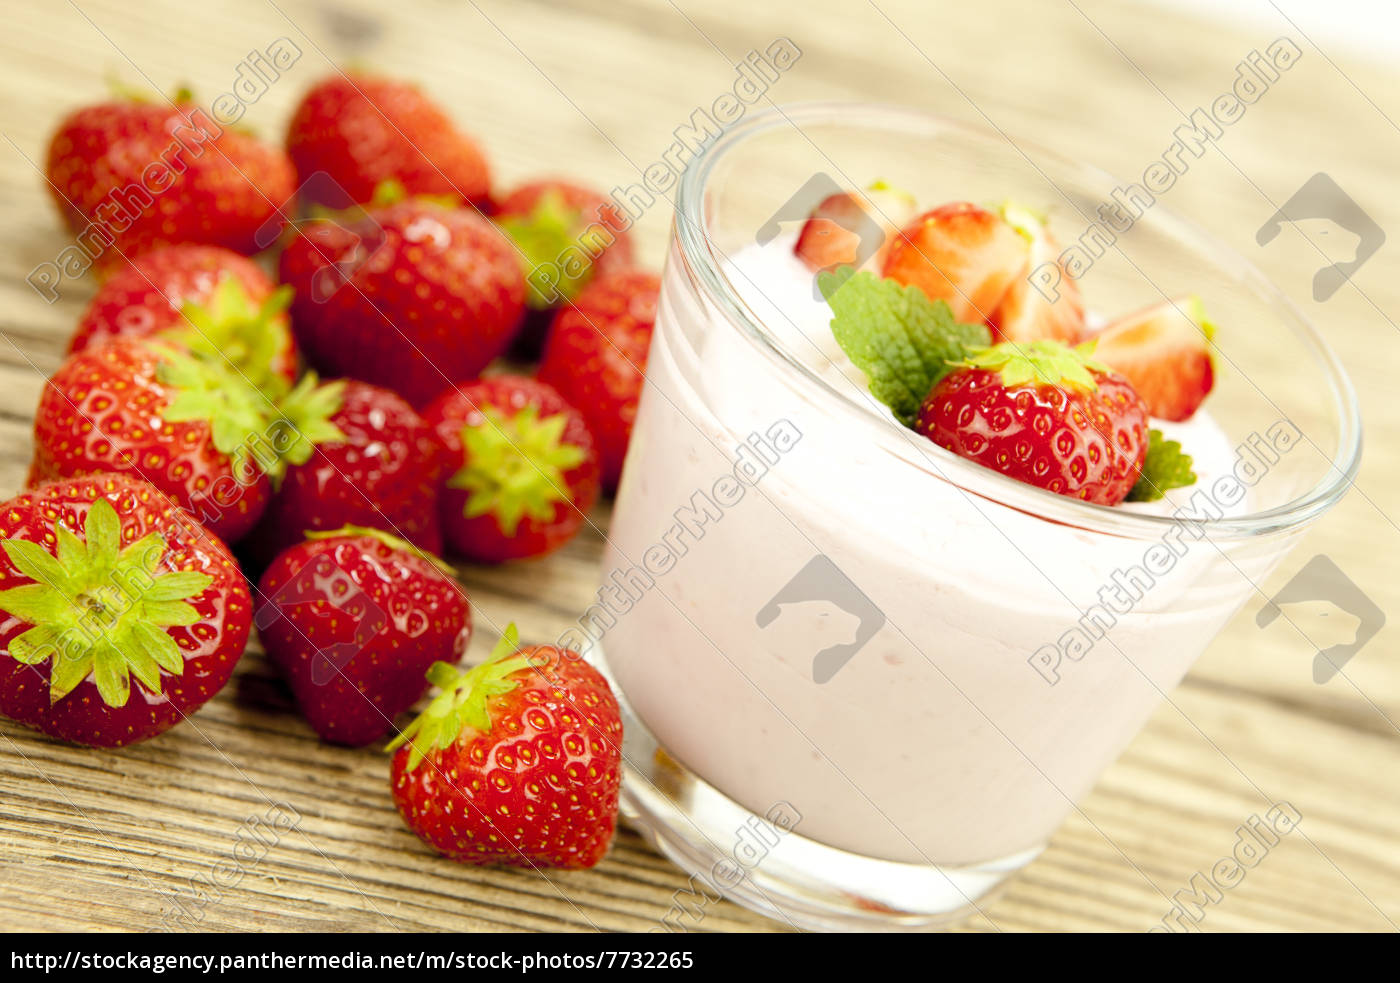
703, 261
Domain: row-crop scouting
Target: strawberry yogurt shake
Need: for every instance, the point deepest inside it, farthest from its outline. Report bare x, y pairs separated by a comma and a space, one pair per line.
970, 577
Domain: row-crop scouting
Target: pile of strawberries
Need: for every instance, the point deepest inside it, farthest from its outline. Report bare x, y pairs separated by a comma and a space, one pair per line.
947, 322
221, 452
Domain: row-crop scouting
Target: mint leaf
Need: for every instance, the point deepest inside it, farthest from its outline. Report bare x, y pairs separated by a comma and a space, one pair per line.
901, 340
1166, 467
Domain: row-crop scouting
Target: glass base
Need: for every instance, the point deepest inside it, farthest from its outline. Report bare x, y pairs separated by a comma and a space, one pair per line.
761, 863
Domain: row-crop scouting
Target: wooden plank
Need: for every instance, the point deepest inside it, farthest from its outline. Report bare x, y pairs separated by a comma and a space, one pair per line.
104, 840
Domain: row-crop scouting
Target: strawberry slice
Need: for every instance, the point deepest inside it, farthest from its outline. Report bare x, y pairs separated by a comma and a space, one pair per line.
853, 228
1025, 314
1164, 351
962, 254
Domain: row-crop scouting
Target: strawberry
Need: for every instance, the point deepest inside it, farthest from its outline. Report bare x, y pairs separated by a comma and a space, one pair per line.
231, 310
354, 618
853, 228
1024, 313
596, 356
119, 616
517, 761
527, 469
383, 471
413, 296
961, 254
147, 174
193, 428
566, 235
362, 130
1164, 352
1044, 414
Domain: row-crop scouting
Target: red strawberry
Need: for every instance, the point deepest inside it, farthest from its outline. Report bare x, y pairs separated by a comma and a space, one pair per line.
596, 356
1164, 352
147, 174
570, 231
383, 471
362, 130
194, 429
527, 469
354, 618
853, 228
413, 297
231, 309
566, 236
119, 616
1025, 314
961, 254
1044, 414
515, 762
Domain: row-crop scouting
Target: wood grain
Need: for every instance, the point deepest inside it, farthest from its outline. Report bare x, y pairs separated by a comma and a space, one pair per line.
98, 840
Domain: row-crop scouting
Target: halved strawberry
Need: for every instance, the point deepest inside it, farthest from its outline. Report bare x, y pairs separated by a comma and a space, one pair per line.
1164, 351
853, 228
1025, 314
959, 253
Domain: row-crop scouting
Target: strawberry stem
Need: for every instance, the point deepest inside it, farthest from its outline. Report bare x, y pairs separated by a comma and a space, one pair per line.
515, 466
546, 238
98, 609
1042, 362
228, 327
462, 704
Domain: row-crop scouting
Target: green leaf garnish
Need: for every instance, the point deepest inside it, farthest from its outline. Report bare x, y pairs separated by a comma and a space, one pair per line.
98, 609
902, 341
515, 466
462, 703
1165, 468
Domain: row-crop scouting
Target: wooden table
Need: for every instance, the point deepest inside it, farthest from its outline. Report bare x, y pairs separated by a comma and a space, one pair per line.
100, 840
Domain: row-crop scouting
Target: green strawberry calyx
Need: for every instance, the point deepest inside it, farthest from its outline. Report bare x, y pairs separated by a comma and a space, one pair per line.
1027, 221
1042, 362
903, 342
515, 466
388, 539
99, 609
461, 704
207, 390
546, 237
303, 420
391, 191
257, 432
229, 327
126, 92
